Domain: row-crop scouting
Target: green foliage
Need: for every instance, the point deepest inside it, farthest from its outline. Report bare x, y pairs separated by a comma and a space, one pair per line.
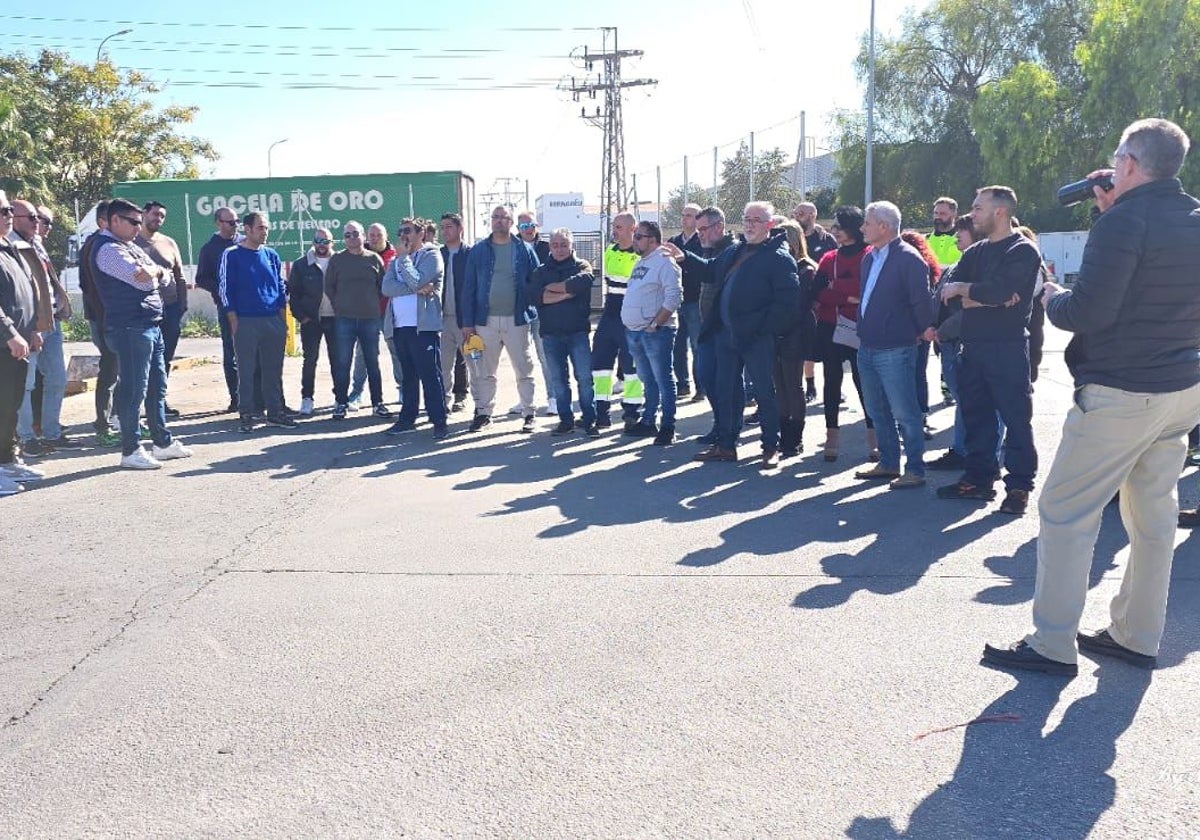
77, 128
76, 327
825, 198
770, 181
196, 325
672, 218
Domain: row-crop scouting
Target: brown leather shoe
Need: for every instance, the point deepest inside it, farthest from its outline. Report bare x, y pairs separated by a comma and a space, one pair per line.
770, 460
877, 473
716, 453
908, 481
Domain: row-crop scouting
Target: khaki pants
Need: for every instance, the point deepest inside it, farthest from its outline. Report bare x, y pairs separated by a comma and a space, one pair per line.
1112, 440
502, 332
452, 339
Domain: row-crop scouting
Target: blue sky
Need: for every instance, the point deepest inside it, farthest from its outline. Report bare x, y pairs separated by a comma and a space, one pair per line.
363, 89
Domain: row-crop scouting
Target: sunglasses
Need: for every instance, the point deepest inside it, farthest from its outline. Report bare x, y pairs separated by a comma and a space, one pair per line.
134, 222
6, 211
642, 236
407, 231
227, 221
352, 234
43, 220
322, 241
527, 226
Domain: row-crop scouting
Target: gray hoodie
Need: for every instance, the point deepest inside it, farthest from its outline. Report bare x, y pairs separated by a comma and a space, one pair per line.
656, 283
408, 273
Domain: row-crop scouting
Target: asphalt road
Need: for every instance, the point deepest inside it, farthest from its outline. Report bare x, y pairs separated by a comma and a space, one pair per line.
329, 633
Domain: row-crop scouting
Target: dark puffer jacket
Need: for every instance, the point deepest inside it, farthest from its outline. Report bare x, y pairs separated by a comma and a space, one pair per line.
1135, 309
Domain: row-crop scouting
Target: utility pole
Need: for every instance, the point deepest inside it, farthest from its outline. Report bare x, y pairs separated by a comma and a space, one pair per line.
608, 85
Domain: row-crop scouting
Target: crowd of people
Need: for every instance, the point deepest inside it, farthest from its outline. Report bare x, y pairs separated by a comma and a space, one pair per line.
756, 313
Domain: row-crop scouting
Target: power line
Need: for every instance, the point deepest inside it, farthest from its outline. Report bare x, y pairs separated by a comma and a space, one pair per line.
288, 27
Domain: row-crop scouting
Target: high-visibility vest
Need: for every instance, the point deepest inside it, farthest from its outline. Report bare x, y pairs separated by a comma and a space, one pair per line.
618, 267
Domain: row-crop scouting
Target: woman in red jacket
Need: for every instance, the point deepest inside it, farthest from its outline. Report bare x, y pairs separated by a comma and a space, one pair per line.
839, 277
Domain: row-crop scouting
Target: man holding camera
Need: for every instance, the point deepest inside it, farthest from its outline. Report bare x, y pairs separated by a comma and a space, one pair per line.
1135, 313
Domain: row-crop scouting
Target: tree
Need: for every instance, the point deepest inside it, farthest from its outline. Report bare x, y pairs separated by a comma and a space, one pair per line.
93, 126
770, 181
672, 217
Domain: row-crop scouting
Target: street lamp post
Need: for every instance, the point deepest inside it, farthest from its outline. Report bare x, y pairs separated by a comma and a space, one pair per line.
870, 109
100, 49
269, 150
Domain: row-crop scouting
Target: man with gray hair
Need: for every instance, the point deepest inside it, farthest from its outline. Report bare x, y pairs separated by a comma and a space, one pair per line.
1135, 358
894, 310
353, 280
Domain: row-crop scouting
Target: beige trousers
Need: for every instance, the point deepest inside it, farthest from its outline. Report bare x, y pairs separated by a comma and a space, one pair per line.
1112, 440
502, 332
452, 339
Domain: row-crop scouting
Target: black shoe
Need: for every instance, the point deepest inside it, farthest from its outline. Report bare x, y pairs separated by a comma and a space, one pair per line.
246, 424
480, 421
440, 433
399, 428
36, 448
699, 396
604, 422
172, 412
631, 426
1015, 502
810, 395
641, 430
457, 405
683, 390
949, 460
1103, 644
280, 420
754, 419
1022, 657
564, 427
965, 490
665, 436
1189, 518
789, 452
62, 442
709, 439
527, 424
232, 407
591, 431
381, 411
339, 411
288, 411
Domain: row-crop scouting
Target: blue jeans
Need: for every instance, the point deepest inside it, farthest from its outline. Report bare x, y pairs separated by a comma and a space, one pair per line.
889, 383
735, 364
365, 333
49, 362
106, 379
994, 380
143, 380
360, 368
420, 356
951, 365
574, 347
228, 353
171, 326
686, 339
652, 356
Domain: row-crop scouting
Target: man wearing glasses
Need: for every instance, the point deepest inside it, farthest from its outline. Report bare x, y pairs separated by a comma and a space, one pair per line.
252, 292
758, 293
18, 330
313, 312
496, 305
129, 282
54, 306
207, 278
353, 282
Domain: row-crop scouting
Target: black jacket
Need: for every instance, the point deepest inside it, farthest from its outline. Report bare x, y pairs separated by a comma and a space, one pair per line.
208, 265
569, 316
996, 272
18, 298
766, 296
305, 287
460, 271
702, 265
1135, 309
691, 278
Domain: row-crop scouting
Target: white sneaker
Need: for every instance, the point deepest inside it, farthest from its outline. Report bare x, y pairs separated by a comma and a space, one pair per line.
306, 406
140, 460
354, 405
552, 407
171, 452
18, 471
10, 487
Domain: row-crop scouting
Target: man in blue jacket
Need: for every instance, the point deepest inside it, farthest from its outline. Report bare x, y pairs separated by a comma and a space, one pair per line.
495, 304
894, 311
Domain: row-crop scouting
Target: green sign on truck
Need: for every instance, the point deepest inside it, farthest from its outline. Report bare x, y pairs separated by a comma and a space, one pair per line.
298, 205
